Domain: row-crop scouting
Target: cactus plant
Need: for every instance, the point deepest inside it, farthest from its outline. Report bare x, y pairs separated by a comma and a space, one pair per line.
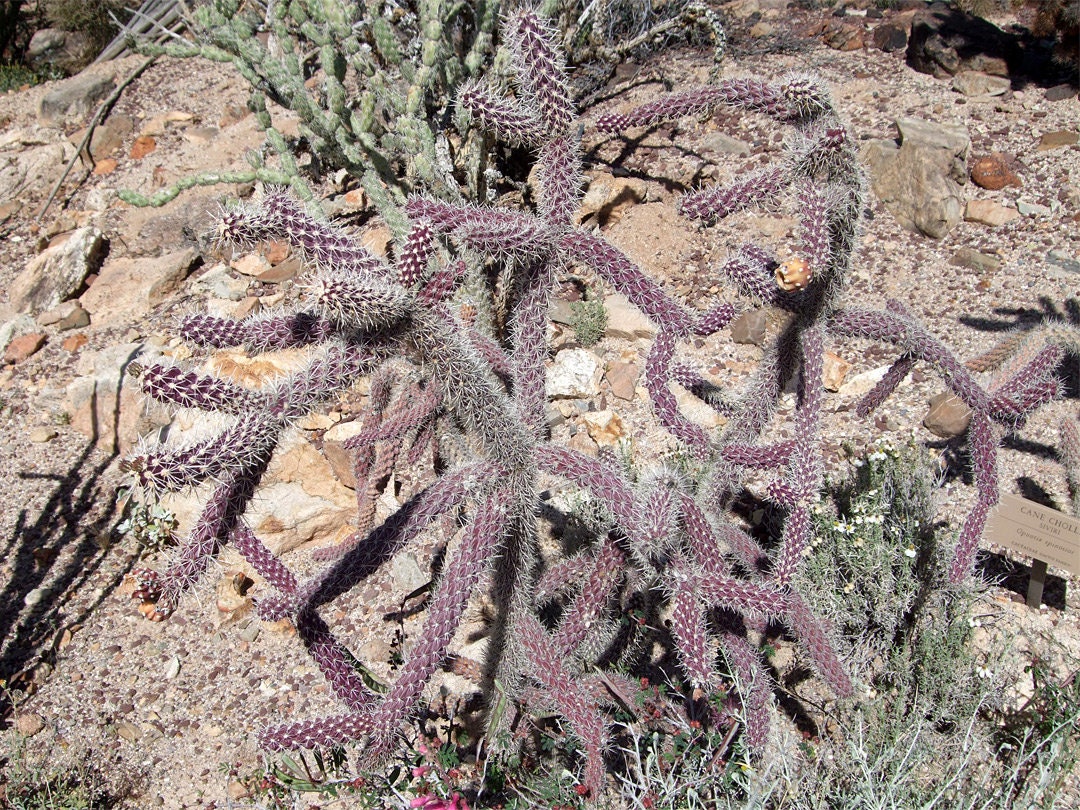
666, 542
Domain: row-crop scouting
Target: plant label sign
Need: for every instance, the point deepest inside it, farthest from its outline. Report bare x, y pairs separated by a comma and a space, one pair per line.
1045, 534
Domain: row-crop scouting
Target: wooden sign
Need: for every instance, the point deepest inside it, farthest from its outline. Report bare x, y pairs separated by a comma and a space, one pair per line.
1040, 532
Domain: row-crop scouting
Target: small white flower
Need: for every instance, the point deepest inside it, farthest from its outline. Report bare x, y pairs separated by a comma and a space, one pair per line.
849, 587
858, 542
909, 552
984, 672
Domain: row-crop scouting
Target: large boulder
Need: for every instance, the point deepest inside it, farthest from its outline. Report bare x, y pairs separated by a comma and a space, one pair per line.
58, 272
72, 100
918, 177
945, 41
68, 51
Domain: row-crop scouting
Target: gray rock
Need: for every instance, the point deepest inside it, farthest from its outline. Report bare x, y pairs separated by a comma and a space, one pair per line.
1029, 209
126, 289
219, 282
919, 180
58, 272
57, 313
945, 41
974, 260
30, 172
72, 100
974, 83
724, 144
76, 319
70, 51
749, 327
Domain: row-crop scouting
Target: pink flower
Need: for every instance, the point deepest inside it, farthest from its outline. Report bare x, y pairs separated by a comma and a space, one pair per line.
429, 802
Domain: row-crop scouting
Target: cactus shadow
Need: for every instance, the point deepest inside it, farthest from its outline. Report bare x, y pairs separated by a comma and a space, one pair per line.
53, 553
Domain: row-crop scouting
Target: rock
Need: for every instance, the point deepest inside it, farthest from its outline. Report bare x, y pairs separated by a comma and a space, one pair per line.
992, 172
128, 731
127, 289
1058, 139
1060, 92
948, 416
250, 265
945, 41
76, 319
58, 313
41, 435
604, 427
622, 377
988, 212
749, 327
890, 37
974, 260
58, 272
112, 415
67, 51
105, 166
574, 374
22, 347
172, 669
761, 29
232, 590
919, 180
974, 83
835, 370
220, 283
723, 144
75, 98
1030, 209
406, 574
73, 343
20, 325
108, 136
143, 146
845, 37
607, 198
27, 724
624, 320
583, 443
31, 172
863, 383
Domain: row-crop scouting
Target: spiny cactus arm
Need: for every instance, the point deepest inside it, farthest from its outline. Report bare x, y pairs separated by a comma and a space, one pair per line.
750, 94
706, 552
798, 532
813, 639
212, 178
408, 414
541, 70
1069, 453
752, 680
559, 179
750, 598
413, 258
1000, 353
565, 574
493, 355
356, 561
896, 374
585, 610
321, 379
187, 389
572, 702
714, 320
753, 271
717, 202
265, 563
479, 545
711, 394
506, 236
657, 376
613, 266
260, 333
246, 443
983, 447
899, 327
508, 119
689, 626
528, 330
1032, 385
761, 457
324, 732
609, 487
337, 665
815, 246
278, 214
220, 514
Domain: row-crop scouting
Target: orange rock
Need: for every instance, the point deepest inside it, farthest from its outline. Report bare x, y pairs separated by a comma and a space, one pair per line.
992, 172
144, 145
73, 343
23, 346
106, 166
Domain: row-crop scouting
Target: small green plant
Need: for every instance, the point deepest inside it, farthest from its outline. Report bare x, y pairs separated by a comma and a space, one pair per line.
150, 525
588, 319
29, 782
15, 77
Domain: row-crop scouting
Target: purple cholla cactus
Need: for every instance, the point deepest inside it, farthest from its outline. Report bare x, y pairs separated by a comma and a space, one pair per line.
666, 543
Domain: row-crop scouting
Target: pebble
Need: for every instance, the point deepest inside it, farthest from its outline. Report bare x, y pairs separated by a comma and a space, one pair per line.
28, 724
40, 435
